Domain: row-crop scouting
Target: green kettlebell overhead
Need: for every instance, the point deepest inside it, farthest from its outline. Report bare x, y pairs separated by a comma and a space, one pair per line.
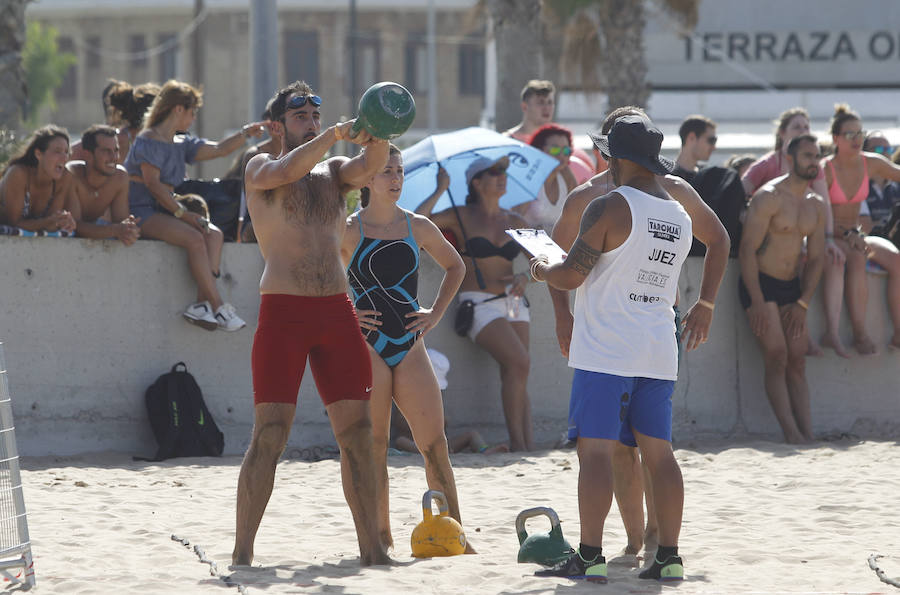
386, 110
547, 549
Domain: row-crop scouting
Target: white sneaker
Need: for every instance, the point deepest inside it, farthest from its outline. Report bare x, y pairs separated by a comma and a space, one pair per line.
227, 319
201, 314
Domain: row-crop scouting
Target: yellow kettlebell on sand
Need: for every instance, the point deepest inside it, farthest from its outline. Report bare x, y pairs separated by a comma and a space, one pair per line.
438, 535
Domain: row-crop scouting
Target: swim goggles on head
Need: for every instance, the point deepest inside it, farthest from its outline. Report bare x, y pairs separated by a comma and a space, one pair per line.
300, 100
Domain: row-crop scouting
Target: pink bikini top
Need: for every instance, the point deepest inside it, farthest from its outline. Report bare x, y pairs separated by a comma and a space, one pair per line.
836, 192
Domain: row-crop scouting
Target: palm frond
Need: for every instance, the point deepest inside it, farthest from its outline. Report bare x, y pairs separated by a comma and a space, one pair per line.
687, 12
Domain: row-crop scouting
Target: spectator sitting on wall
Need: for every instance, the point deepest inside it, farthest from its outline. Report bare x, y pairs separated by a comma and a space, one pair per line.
719, 187
543, 211
884, 196
124, 107
156, 164
537, 109
35, 185
101, 189
847, 173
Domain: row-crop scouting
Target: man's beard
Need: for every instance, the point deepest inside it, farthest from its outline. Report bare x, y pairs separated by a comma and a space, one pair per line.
809, 173
292, 142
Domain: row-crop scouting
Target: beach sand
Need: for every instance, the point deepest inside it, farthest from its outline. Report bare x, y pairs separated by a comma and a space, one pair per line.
759, 518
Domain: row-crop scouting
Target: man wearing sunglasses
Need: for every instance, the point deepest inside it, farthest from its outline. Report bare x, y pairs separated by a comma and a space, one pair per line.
296, 199
698, 141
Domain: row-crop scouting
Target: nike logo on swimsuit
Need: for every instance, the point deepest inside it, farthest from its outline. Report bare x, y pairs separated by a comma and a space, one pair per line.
368, 389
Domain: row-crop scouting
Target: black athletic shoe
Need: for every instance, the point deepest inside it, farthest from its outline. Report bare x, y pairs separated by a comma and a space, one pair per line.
576, 567
672, 569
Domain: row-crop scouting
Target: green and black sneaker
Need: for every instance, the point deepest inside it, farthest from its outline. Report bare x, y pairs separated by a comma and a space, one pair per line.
576, 567
672, 569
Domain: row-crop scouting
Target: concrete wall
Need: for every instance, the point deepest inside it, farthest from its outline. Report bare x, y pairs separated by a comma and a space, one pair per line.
87, 325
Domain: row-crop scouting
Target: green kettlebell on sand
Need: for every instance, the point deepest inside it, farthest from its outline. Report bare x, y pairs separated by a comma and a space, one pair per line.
386, 110
547, 549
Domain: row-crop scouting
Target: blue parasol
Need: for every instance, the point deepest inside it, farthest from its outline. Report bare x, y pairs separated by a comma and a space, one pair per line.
454, 151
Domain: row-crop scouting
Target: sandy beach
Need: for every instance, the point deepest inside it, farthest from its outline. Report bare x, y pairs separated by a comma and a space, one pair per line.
759, 517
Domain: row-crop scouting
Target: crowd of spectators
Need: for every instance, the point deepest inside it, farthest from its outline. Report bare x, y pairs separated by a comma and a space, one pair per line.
119, 180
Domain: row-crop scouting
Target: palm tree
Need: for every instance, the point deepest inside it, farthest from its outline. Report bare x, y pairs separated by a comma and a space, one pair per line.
603, 44
12, 75
516, 29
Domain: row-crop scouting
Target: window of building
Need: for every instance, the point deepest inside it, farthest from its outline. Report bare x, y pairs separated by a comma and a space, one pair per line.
137, 44
168, 58
471, 67
417, 64
301, 57
69, 87
93, 59
368, 60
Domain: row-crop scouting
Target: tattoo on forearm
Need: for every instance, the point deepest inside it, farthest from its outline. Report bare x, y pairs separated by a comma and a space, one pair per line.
582, 258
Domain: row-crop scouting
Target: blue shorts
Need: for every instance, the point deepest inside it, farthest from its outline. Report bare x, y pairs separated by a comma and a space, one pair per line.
609, 407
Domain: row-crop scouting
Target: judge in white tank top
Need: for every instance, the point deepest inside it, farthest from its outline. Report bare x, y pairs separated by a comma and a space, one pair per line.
625, 266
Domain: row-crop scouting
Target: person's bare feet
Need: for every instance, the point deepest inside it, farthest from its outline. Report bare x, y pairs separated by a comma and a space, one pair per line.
379, 558
651, 542
496, 449
813, 349
864, 345
829, 340
895, 342
629, 556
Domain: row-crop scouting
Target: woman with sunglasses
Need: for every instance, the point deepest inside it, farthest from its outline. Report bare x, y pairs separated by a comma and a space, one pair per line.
847, 174
543, 212
156, 164
380, 249
884, 195
500, 320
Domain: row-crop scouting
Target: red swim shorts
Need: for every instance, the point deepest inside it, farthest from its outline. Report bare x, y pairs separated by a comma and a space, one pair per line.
324, 329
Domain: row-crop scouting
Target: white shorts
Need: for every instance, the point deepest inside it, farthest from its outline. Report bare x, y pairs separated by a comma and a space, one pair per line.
487, 312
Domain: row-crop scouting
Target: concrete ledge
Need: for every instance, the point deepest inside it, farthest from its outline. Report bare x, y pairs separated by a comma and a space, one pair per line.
87, 325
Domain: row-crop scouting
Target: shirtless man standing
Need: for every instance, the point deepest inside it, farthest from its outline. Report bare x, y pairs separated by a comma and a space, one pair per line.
299, 212
627, 475
101, 187
781, 214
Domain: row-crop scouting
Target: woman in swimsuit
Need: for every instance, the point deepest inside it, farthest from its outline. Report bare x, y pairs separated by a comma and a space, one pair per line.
35, 184
381, 251
501, 318
847, 175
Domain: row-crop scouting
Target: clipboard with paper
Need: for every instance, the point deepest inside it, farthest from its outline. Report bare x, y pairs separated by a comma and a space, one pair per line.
536, 242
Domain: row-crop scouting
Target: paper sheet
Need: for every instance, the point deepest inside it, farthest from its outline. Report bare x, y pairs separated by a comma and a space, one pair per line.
536, 242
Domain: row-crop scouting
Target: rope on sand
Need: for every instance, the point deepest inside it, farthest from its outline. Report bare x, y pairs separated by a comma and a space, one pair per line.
213, 568
873, 564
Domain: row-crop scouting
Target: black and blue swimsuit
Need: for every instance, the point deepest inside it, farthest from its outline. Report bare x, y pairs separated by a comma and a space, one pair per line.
384, 276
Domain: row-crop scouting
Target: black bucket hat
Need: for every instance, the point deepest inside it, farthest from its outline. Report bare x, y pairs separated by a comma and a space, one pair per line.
636, 139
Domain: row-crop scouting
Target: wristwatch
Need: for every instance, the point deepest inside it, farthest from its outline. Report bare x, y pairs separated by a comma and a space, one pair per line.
180, 211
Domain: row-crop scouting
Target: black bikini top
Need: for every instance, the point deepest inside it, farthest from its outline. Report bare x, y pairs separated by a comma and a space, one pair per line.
481, 247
